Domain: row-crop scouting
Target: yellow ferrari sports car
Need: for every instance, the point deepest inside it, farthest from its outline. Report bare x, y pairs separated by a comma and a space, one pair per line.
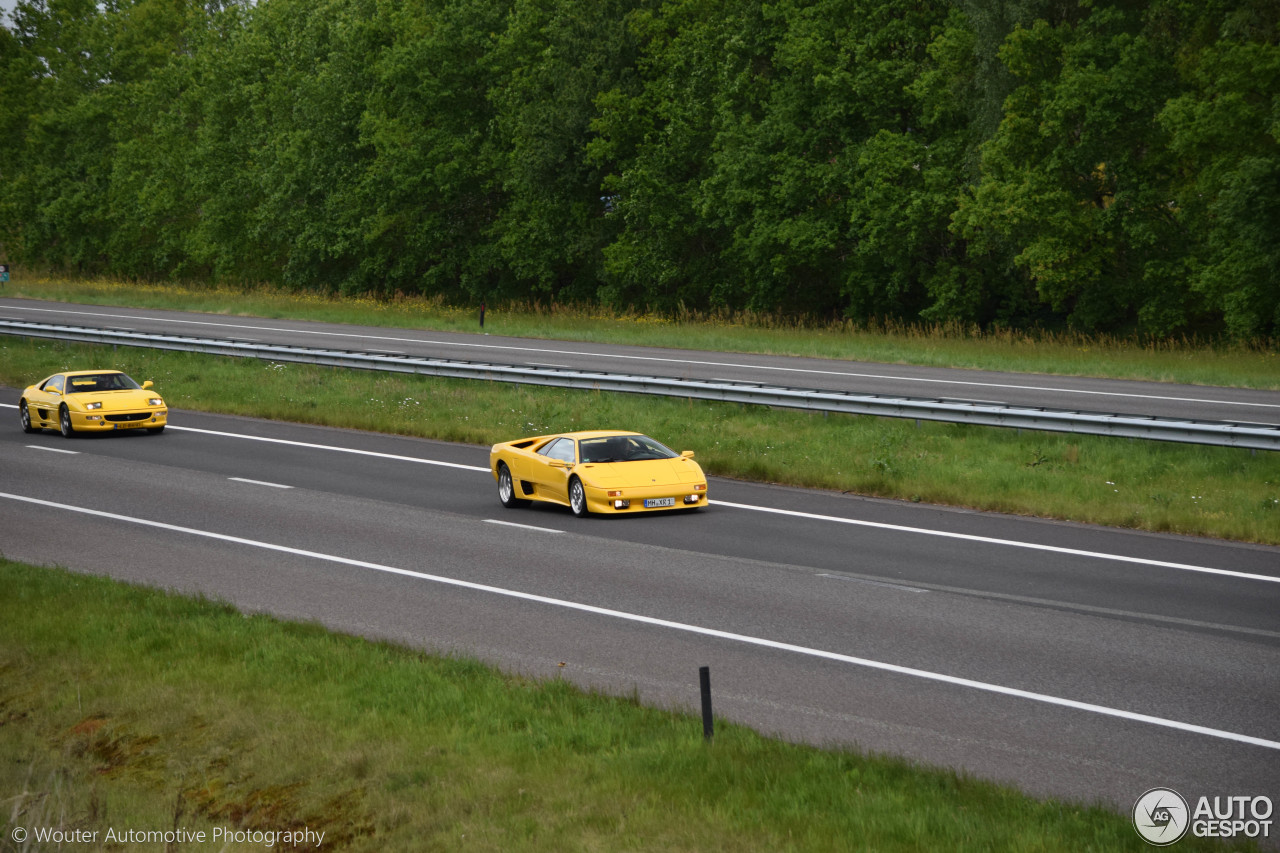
91, 401
603, 471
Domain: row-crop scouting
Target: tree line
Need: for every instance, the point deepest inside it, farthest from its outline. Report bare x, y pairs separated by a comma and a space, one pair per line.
1108, 165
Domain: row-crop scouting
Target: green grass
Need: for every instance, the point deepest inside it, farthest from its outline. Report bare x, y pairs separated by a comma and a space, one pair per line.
1183, 361
1221, 492
160, 712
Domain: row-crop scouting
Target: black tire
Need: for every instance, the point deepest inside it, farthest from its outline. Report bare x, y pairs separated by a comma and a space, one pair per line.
507, 489
25, 417
578, 498
155, 430
64, 422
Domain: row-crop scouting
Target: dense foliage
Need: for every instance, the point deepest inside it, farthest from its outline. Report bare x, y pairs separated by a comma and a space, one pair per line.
1107, 164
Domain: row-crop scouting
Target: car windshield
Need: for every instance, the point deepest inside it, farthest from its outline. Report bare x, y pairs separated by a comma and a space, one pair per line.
622, 448
91, 382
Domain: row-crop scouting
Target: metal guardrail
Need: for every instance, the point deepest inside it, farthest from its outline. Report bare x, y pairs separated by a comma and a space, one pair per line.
1221, 433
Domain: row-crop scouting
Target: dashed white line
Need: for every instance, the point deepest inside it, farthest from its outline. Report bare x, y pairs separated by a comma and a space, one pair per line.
681, 626
259, 483
52, 449
523, 526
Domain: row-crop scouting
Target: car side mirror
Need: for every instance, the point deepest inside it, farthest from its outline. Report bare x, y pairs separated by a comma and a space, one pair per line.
558, 463
53, 391
147, 384
687, 454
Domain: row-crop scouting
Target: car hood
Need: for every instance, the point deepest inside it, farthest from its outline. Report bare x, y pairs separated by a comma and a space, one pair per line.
659, 472
115, 401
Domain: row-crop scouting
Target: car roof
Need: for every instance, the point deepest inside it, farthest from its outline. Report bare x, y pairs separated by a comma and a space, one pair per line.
597, 433
87, 372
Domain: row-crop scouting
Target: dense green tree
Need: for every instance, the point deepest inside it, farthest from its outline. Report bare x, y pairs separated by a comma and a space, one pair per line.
149, 206
1225, 135
428, 195
58, 194
1108, 164
1074, 182
659, 135
554, 60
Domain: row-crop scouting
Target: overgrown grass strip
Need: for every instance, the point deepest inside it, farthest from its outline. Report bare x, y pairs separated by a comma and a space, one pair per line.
158, 711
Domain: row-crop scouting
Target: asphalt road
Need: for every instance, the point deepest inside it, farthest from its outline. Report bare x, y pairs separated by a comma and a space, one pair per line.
1073, 661
1057, 392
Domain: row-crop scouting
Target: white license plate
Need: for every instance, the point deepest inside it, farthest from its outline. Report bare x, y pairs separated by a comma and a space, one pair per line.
650, 503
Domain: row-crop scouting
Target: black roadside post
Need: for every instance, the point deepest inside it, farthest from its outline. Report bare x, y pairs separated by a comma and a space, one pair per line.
704, 678
482, 315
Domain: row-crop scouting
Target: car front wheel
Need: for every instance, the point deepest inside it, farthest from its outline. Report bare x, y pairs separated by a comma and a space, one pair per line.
507, 488
64, 422
25, 417
578, 498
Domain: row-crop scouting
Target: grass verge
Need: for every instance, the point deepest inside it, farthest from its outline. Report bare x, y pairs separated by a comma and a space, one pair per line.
1183, 361
161, 712
1206, 491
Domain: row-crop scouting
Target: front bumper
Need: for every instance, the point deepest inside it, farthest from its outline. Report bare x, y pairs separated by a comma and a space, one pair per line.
604, 501
113, 421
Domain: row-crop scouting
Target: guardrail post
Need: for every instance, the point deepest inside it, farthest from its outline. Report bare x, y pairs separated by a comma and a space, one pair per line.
704, 680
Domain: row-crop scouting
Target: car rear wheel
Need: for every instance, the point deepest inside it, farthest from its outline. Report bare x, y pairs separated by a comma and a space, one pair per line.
578, 498
25, 417
507, 488
64, 422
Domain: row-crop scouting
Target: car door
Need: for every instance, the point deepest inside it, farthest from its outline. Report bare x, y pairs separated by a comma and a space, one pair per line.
44, 401
552, 464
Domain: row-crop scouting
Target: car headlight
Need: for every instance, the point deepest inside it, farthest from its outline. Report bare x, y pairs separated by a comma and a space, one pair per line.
154, 401
97, 405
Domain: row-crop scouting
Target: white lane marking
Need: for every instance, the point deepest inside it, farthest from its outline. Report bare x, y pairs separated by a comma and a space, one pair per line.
657, 359
1013, 543
52, 449
311, 446
523, 526
677, 626
259, 483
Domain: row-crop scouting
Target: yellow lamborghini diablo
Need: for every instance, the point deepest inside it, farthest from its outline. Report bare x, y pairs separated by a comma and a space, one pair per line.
610, 472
